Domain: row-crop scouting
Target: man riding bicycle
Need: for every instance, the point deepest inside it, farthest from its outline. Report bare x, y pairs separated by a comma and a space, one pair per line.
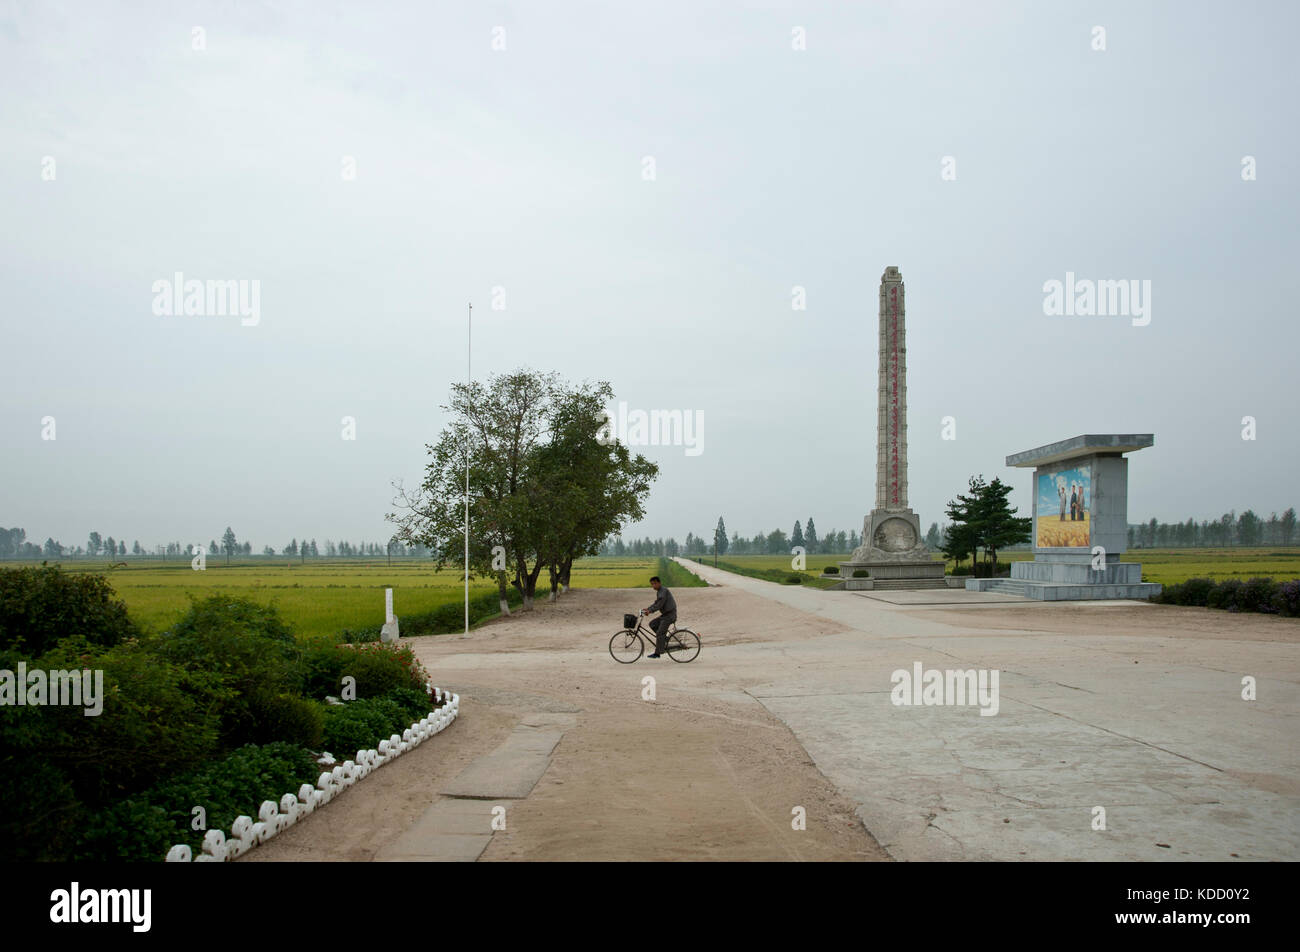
667, 607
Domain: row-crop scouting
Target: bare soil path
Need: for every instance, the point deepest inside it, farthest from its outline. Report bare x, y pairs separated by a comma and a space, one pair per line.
704, 771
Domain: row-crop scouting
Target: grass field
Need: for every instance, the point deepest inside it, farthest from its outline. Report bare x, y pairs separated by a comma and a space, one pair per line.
324, 597
1167, 566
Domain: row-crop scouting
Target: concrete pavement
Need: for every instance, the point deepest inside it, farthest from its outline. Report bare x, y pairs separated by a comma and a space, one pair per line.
1132, 708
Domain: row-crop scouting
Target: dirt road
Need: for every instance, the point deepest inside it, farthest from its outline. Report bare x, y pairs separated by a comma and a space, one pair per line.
701, 772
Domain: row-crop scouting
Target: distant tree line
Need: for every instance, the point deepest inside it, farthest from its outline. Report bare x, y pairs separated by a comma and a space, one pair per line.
775, 542
1246, 529
14, 545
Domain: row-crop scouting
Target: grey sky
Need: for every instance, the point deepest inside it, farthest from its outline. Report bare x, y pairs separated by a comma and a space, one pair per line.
522, 169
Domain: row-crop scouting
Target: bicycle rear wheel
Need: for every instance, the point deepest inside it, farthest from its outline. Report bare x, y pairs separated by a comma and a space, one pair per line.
626, 646
683, 645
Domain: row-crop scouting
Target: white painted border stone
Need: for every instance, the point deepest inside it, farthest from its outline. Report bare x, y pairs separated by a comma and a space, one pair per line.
273, 818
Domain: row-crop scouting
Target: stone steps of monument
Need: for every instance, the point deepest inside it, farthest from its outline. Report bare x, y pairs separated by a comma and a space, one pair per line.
1007, 586
907, 584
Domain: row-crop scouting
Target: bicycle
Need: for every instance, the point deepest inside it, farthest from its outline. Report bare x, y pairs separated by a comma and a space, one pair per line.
627, 646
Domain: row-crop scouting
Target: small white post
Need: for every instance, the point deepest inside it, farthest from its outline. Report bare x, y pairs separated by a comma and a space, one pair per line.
391, 631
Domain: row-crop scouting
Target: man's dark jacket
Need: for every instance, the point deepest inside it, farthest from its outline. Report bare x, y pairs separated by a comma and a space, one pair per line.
664, 603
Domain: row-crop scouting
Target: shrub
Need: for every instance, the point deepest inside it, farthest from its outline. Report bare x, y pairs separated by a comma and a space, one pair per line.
1286, 600
1223, 595
289, 718
831, 570
146, 826
42, 818
861, 573
795, 579
414, 704
377, 667
1192, 592
248, 646
1256, 595
132, 831
362, 724
157, 717
41, 606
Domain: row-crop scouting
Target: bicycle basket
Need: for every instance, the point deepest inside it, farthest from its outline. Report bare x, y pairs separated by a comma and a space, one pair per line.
629, 621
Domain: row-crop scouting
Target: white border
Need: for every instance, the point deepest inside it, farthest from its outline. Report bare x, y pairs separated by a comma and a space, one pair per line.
245, 834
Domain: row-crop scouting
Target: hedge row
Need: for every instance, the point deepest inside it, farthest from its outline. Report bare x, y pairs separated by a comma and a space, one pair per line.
1253, 595
227, 692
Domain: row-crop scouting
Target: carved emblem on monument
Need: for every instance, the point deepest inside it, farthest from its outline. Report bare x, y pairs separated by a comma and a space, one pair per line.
894, 535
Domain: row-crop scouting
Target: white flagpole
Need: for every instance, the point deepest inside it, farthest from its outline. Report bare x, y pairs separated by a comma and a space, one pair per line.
469, 382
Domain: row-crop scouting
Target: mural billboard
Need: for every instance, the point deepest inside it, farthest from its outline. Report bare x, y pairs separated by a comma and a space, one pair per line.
1064, 505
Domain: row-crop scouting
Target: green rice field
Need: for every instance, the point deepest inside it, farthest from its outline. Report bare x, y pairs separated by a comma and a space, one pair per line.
324, 596
1167, 566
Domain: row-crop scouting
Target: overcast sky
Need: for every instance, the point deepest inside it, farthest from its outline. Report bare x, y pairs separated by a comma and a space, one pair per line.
524, 169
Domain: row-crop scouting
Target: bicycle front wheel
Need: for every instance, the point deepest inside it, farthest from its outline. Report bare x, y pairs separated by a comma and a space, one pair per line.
683, 645
626, 646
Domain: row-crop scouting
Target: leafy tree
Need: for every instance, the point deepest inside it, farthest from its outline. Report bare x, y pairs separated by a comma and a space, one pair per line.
720, 538
228, 543
1248, 526
40, 606
1226, 522
997, 522
543, 487
1288, 525
932, 536
94, 544
593, 486
810, 536
982, 518
963, 514
12, 542
796, 536
778, 543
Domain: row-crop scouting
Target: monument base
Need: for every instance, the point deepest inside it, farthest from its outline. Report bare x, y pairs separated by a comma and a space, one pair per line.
894, 574
893, 554
1068, 579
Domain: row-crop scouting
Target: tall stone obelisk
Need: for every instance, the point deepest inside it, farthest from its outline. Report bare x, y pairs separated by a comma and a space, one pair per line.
891, 535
